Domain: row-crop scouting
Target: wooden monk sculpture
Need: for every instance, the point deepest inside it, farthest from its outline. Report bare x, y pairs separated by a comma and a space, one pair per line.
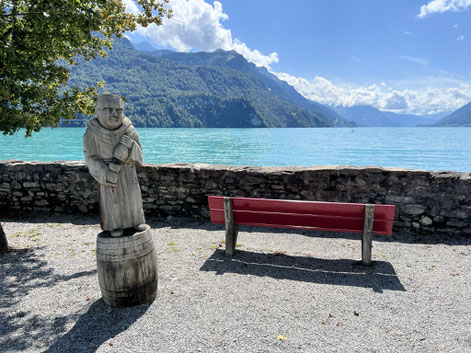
112, 150
126, 256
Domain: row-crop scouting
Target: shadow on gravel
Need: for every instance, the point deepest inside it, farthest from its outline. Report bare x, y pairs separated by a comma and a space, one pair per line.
381, 276
96, 326
399, 236
47, 217
22, 271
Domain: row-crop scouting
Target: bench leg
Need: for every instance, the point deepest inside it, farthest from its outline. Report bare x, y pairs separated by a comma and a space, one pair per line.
231, 240
232, 229
367, 237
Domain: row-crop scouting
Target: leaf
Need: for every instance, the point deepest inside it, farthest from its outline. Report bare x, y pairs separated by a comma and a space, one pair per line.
281, 338
34, 78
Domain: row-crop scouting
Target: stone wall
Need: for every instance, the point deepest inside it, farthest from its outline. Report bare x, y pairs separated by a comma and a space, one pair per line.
426, 201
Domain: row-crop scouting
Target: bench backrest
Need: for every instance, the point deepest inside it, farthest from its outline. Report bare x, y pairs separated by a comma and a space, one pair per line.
329, 216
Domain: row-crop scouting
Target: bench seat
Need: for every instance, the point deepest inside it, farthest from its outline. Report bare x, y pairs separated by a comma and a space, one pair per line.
367, 219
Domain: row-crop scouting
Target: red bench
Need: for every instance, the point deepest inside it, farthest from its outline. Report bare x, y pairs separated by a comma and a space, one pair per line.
328, 216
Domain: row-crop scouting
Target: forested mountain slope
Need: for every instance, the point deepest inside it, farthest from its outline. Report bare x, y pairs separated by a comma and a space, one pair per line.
219, 89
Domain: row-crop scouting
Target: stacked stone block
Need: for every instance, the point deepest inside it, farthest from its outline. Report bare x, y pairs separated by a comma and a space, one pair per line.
425, 201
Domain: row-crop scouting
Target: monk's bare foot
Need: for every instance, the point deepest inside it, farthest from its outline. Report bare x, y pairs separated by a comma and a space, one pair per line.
116, 233
140, 227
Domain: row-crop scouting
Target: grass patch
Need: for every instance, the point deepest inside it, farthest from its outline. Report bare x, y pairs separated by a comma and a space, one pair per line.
32, 233
173, 247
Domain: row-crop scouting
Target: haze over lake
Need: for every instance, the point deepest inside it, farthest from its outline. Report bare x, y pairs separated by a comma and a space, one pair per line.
431, 149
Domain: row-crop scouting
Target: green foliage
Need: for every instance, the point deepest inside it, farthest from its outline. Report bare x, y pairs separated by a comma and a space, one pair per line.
39, 40
219, 89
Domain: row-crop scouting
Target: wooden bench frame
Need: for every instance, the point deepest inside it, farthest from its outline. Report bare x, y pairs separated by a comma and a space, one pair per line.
330, 220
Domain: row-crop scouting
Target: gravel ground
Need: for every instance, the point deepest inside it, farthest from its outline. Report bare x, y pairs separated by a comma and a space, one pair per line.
285, 291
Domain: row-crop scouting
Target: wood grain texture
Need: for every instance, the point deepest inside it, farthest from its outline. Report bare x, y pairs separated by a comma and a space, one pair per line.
330, 216
232, 229
127, 268
367, 236
120, 202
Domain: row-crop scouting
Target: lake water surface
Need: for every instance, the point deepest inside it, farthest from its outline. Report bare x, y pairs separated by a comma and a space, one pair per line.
414, 148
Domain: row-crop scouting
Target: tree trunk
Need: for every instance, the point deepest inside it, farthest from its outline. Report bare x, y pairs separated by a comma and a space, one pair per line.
3, 241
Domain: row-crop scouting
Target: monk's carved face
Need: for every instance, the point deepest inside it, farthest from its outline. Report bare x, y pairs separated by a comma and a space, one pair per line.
110, 111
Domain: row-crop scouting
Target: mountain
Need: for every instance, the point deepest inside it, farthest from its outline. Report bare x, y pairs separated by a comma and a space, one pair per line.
218, 89
436, 116
460, 117
143, 46
221, 58
161, 52
411, 119
282, 88
366, 115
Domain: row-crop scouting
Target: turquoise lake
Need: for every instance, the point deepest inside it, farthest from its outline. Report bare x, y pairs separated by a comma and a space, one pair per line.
414, 148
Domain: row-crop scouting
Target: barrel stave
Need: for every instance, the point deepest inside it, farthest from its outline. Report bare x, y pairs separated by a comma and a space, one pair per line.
127, 268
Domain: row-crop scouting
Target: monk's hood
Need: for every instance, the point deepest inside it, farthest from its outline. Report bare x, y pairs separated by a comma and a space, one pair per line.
104, 134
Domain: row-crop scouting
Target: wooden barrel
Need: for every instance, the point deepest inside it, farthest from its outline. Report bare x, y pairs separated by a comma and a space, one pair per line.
127, 268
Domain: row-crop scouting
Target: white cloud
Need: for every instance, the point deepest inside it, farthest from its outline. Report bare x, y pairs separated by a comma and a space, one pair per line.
460, 37
131, 7
254, 56
417, 101
395, 102
197, 25
441, 6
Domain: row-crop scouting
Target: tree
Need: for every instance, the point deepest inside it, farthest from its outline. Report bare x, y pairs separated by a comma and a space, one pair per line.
3, 241
39, 40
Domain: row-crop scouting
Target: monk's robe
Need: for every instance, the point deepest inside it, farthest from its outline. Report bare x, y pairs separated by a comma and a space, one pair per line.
120, 205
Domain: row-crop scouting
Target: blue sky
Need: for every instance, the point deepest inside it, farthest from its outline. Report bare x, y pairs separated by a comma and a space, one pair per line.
407, 56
